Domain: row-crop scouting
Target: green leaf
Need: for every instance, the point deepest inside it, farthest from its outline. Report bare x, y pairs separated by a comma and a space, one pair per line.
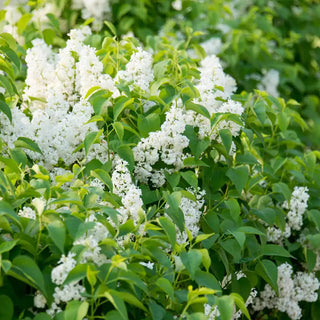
7, 246
269, 272
23, 22
90, 139
274, 250
23, 142
76, 310
149, 123
311, 259
239, 176
226, 138
7, 308
6, 265
232, 246
314, 215
166, 286
193, 162
192, 261
118, 127
103, 176
111, 27
240, 303
174, 211
126, 153
126, 228
19, 157
251, 230
48, 36
54, 21
117, 303
157, 312
12, 56
6, 209
283, 189
25, 269
234, 208
190, 177
172, 178
57, 233
206, 260
120, 104
129, 298
225, 306
207, 279
169, 229
197, 108
42, 316
78, 273
8, 85
314, 240
240, 237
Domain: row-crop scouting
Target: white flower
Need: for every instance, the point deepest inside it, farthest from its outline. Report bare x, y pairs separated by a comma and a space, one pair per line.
39, 300
71, 291
292, 289
97, 9
148, 264
124, 187
138, 69
55, 92
298, 205
61, 271
27, 212
270, 82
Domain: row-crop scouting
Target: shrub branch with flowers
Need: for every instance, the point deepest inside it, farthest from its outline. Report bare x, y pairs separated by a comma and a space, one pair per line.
136, 182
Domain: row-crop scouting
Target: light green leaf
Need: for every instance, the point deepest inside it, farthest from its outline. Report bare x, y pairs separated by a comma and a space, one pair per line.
27, 143
225, 306
192, 261
240, 303
166, 286
76, 310
90, 139
7, 246
169, 229
117, 303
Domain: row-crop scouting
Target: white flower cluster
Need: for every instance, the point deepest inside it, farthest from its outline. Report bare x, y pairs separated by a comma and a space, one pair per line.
63, 293
294, 219
301, 287
192, 213
90, 240
39, 300
138, 70
12, 16
269, 82
214, 84
168, 144
213, 313
56, 86
27, 212
124, 187
297, 207
98, 9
